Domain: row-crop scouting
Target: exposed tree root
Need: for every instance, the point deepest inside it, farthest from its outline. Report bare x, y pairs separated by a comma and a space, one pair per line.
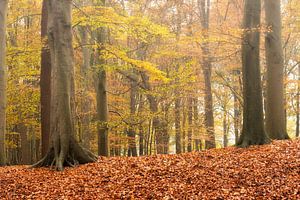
246, 141
57, 160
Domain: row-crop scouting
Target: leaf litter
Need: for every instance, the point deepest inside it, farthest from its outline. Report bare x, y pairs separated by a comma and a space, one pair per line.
259, 172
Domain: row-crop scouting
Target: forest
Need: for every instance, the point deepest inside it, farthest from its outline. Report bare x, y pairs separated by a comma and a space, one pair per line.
142, 90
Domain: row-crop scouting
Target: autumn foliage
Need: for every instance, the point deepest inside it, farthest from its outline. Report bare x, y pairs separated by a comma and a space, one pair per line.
259, 172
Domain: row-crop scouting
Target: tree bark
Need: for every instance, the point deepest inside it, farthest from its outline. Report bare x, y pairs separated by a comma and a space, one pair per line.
190, 124
177, 125
253, 132
85, 102
298, 105
204, 6
101, 90
3, 79
45, 82
275, 114
236, 105
131, 131
196, 125
64, 149
141, 129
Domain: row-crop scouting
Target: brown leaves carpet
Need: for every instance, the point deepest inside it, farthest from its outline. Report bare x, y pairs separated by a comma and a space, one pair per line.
259, 172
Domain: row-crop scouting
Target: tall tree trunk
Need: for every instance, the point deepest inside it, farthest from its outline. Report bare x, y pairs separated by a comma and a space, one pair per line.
131, 131
190, 123
225, 125
177, 125
85, 102
141, 129
3, 79
204, 6
156, 121
196, 125
298, 104
25, 148
63, 149
45, 82
253, 125
101, 89
184, 114
275, 114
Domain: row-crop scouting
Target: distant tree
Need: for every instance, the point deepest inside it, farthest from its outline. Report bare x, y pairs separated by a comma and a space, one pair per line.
204, 9
3, 78
275, 113
63, 149
253, 132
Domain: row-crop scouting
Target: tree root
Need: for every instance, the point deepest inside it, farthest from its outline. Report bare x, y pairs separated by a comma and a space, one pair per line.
75, 156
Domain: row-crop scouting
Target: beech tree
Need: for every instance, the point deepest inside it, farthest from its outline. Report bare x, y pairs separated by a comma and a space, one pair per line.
101, 90
45, 82
275, 114
3, 78
204, 9
63, 149
253, 132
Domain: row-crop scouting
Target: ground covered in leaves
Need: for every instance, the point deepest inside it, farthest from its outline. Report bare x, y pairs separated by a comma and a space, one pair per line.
259, 172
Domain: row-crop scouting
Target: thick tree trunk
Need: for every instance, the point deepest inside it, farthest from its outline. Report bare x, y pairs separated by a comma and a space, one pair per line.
3, 79
275, 114
101, 89
45, 82
204, 6
63, 150
253, 132
25, 148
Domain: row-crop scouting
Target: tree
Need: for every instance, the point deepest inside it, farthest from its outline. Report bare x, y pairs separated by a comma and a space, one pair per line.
3, 78
101, 90
45, 82
275, 114
204, 7
63, 149
253, 132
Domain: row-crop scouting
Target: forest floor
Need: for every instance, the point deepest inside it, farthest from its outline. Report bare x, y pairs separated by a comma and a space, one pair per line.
259, 172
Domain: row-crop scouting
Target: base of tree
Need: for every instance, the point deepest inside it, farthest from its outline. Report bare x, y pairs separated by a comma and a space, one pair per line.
75, 156
245, 141
280, 136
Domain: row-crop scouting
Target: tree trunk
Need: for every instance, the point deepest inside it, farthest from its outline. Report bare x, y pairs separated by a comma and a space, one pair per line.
3, 79
225, 125
131, 131
236, 105
298, 104
64, 149
177, 125
141, 129
190, 123
45, 82
85, 102
204, 6
196, 125
101, 89
253, 132
275, 114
